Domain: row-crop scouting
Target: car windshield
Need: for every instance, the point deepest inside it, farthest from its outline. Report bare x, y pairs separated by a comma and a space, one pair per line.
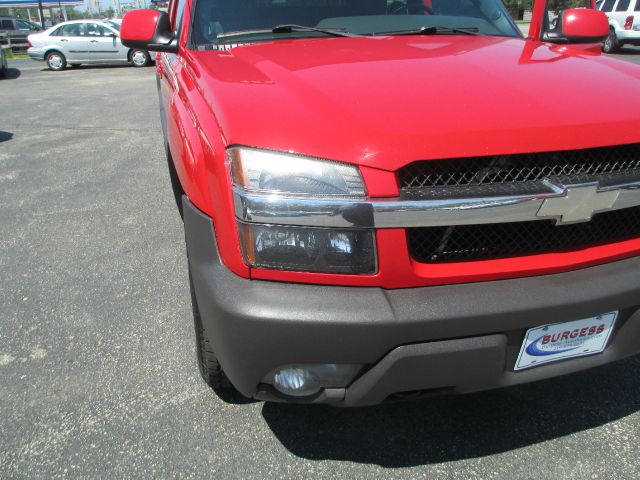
230, 21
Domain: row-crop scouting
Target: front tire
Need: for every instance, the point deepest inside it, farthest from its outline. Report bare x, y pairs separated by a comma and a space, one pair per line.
611, 44
139, 58
56, 61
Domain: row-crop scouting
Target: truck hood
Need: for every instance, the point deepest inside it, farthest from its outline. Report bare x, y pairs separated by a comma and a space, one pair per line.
386, 101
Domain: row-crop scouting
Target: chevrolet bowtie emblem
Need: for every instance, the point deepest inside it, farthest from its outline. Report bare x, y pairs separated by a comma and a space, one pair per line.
579, 203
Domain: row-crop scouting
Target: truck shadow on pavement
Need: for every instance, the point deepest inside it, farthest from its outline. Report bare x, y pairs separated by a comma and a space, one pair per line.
5, 136
99, 66
12, 74
453, 428
629, 51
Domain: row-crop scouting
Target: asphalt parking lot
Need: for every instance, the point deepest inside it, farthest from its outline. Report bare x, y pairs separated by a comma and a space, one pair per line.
98, 376
628, 54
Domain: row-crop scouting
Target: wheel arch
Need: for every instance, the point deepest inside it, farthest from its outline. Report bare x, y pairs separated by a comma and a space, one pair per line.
176, 184
614, 25
53, 49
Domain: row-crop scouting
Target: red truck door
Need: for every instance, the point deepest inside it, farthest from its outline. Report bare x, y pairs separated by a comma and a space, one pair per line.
168, 67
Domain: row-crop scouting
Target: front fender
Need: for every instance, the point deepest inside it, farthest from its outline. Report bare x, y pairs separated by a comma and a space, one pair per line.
197, 146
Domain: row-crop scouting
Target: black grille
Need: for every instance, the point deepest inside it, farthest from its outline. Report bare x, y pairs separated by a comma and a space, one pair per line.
606, 165
500, 240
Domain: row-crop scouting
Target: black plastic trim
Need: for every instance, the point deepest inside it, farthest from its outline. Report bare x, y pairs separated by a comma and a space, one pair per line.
457, 338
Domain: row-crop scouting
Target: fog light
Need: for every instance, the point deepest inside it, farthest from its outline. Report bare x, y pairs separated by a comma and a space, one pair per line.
309, 379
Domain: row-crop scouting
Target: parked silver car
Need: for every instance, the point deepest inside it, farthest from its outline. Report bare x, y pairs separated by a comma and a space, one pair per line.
83, 41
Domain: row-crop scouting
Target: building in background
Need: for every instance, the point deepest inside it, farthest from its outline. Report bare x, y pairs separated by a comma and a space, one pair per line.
42, 12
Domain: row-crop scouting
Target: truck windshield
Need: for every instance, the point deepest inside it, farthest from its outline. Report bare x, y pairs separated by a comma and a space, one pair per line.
231, 21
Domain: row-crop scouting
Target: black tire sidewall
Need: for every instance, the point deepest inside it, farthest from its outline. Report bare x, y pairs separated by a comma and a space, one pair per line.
613, 42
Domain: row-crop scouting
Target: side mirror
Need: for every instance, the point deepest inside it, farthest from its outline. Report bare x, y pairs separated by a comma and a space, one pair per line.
579, 25
148, 30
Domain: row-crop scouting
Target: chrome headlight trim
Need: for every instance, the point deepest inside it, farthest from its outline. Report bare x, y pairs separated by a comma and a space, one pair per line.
402, 213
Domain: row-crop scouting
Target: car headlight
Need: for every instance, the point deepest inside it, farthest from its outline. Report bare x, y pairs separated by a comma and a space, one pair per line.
322, 250
273, 172
292, 247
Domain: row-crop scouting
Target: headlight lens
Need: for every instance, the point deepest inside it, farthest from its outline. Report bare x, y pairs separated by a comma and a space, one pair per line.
274, 172
322, 250
274, 175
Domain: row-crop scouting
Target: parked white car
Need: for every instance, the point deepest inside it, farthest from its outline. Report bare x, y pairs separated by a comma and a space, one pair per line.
624, 23
84, 41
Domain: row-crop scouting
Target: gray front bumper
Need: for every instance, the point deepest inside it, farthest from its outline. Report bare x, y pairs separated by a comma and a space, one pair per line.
454, 339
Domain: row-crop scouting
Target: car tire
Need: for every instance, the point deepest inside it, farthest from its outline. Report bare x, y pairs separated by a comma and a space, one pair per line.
139, 58
56, 61
611, 44
208, 363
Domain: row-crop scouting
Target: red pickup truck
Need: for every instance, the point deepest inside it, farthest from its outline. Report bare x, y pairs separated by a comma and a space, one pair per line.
389, 199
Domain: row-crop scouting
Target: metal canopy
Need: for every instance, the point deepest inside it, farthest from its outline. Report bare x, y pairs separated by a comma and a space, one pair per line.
45, 3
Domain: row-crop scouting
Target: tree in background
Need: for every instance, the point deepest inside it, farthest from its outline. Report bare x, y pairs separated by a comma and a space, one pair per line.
565, 4
75, 14
517, 7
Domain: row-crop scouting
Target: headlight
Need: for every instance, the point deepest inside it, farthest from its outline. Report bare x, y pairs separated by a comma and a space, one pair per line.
279, 178
272, 172
306, 249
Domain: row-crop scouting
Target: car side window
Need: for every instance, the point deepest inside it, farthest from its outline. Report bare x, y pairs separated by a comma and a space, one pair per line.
177, 26
93, 30
20, 25
70, 30
623, 5
6, 24
608, 5
105, 31
637, 9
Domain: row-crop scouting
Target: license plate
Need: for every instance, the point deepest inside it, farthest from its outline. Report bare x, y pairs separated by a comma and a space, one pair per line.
560, 341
